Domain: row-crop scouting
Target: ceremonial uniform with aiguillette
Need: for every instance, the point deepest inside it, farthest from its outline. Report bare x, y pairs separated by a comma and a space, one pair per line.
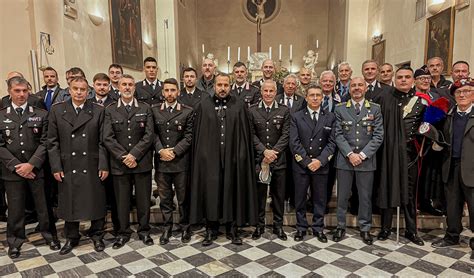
359, 130
311, 137
174, 129
23, 139
128, 129
149, 92
271, 126
247, 93
75, 147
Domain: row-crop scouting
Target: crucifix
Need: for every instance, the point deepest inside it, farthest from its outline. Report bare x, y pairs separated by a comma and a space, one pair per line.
259, 17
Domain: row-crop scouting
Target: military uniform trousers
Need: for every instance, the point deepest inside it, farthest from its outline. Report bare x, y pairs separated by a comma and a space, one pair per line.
16, 194
364, 181
456, 194
277, 191
317, 183
123, 185
409, 209
165, 182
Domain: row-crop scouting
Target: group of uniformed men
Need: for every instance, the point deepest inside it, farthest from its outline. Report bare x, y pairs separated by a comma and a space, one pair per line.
217, 146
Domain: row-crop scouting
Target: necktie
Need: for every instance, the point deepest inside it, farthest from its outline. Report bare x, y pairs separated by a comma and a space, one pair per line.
288, 102
19, 111
239, 89
128, 107
326, 102
315, 117
78, 110
357, 108
170, 109
49, 99
462, 114
100, 101
371, 88
268, 110
152, 85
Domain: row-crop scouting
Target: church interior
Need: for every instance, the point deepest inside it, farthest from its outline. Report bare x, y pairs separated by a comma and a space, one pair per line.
181, 33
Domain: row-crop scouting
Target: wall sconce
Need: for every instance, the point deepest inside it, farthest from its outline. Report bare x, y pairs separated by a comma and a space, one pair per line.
435, 6
96, 19
376, 38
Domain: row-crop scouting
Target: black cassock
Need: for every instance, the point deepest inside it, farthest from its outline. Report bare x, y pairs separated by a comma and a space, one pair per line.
223, 178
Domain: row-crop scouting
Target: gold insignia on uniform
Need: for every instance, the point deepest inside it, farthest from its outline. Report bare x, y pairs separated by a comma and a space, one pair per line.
367, 104
9, 141
298, 158
348, 104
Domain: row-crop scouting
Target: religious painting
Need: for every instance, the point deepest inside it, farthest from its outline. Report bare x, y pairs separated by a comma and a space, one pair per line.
126, 31
378, 52
461, 4
439, 38
260, 11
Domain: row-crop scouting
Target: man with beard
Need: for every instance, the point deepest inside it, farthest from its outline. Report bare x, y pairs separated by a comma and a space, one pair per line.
206, 82
458, 168
79, 163
190, 95
386, 74
375, 89
101, 85
149, 90
304, 77
128, 135
50, 89
402, 111
115, 73
242, 89
268, 70
344, 71
223, 184
271, 123
173, 128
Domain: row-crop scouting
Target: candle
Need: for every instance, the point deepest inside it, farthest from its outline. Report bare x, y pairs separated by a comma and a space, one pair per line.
203, 49
279, 52
248, 53
228, 54
238, 54
291, 52
270, 52
317, 44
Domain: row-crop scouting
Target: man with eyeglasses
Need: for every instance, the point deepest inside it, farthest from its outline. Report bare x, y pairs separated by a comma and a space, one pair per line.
458, 169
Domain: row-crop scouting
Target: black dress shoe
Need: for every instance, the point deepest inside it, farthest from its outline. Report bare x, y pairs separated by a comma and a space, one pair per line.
444, 243
320, 236
54, 244
14, 252
383, 234
68, 246
186, 236
209, 238
234, 238
119, 242
259, 231
366, 238
147, 240
99, 245
299, 235
165, 237
280, 233
338, 234
415, 239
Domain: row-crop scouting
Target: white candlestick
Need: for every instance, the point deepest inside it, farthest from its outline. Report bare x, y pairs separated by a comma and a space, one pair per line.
203, 49
291, 52
238, 54
248, 53
317, 44
270, 52
228, 54
279, 53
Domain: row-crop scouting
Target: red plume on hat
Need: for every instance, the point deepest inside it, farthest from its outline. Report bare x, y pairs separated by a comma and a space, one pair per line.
434, 113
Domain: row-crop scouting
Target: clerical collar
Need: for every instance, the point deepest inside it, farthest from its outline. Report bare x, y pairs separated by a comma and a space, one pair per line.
22, 106
173, 105
467, 111
359, 102
311, 110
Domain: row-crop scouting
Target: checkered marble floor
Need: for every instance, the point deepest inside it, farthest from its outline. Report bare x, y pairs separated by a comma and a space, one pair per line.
266, 257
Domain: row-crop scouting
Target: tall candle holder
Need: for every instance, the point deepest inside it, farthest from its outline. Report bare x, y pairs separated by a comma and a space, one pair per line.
228, 66
291, 63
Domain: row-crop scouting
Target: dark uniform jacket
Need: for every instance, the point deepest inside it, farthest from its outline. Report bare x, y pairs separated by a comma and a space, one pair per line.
271, 131
358, 133
250, 94
105, 103
32, 100
258, 84
467, 150
129, 132
22, 140
308, 141
75, 147
113, 93
42, 94
145, 93
173, 130
378, 90
191, 100
298, 102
